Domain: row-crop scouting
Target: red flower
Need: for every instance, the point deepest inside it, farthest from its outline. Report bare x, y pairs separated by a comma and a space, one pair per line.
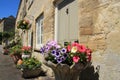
82, 48
76, 59
69, 48
88, 52
89, 58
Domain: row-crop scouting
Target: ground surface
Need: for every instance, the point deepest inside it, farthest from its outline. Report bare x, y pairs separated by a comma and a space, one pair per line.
8, 70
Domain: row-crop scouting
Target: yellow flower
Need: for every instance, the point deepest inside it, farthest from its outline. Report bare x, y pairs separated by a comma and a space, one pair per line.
74, 49
24, 22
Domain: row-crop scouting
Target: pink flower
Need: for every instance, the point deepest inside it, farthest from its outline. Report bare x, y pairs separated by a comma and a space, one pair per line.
81, 48
76, 59
69, 48
88, 52
89, 58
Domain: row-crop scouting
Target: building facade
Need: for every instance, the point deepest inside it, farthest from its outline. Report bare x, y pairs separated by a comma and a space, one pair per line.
95, 23
7, 24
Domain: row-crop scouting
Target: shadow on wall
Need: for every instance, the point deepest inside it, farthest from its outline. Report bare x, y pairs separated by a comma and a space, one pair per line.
90, 73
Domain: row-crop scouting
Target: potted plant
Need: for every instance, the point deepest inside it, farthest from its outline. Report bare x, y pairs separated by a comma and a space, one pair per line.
66, 61
26, 51
5, 50
15, 52
23, 24
30, 67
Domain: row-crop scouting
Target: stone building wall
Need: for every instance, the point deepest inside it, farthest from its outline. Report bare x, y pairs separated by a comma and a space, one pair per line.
99, 29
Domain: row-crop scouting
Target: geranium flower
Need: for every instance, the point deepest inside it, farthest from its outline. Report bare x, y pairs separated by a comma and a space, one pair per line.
69, 48
82, 48
88, 52
76, 59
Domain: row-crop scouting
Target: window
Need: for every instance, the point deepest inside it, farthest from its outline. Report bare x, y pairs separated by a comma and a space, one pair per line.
29, 38
39, 31
30, 2
24, 38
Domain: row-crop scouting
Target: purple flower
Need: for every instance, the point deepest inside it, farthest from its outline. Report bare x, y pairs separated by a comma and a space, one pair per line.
65, 55
57, 46
57, 54
63, 58
63, 50
52, 43
47, 48
59, 60
53, 52
42, 50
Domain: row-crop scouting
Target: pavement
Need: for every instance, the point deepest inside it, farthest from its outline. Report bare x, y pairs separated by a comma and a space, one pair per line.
8, 70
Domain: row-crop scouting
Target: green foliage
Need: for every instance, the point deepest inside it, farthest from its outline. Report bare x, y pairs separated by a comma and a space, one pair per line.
16, 49
7, 35
23, 24
30, 64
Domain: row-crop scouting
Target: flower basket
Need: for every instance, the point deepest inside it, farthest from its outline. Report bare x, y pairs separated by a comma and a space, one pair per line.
23, 24
31, 73
30, 67
26, 52
66, 61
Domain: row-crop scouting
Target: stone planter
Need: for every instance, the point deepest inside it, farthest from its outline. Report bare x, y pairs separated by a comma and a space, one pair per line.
25, 56
66, 72
31, 73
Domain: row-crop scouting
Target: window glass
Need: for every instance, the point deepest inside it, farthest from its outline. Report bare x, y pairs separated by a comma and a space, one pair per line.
39, 31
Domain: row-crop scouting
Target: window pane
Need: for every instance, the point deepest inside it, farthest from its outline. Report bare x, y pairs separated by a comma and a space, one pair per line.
39, 31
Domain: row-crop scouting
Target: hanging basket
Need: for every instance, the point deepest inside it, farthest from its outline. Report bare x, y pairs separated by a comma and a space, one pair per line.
23, 24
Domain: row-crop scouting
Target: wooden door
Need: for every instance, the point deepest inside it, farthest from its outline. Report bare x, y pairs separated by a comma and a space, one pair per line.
67, 21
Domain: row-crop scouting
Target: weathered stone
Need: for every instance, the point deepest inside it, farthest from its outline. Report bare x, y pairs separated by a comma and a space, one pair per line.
86, 31
99, 29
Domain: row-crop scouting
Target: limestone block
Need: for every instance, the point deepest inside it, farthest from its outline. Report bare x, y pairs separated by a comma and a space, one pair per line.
86, 31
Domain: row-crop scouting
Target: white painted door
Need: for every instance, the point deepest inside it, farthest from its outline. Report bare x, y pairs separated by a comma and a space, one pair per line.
67, 29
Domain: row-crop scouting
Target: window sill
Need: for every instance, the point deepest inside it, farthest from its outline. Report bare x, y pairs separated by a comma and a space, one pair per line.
36, 50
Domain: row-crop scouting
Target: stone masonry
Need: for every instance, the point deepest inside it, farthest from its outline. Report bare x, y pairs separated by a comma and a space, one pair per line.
99, 29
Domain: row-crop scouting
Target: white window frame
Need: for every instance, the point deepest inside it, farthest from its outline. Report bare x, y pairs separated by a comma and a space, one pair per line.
29, 38
24, 38
56, 24
39, 31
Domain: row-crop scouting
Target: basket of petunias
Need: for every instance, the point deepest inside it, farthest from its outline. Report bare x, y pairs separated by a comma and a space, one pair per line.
72, 57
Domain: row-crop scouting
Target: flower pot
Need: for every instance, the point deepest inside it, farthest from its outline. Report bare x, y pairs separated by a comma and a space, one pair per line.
66, 72
25, 56
31, 73
16, 57
6, 52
